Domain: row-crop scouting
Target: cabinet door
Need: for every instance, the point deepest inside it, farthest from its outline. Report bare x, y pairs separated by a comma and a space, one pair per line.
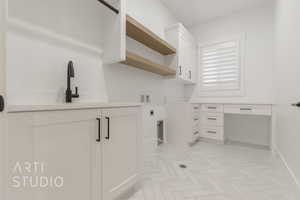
194, 62
189, 61
186, 60
121, 150
181, 58
63, 144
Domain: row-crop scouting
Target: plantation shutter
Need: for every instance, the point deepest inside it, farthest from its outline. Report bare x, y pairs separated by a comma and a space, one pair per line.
220, 66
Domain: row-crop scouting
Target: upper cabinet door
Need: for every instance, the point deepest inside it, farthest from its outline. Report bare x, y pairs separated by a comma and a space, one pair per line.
63, 145
184, 60
121, 150
181, 58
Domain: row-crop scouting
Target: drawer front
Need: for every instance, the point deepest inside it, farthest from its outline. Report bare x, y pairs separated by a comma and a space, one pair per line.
249, 109
216, 133
212, 108
212, 119
196, 119
195, 107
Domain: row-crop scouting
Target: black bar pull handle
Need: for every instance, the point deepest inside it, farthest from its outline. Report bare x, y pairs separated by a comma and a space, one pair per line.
99, 130
212, 132
109, 6
2, 105
212, 118
296, 104
245, 109
108, 128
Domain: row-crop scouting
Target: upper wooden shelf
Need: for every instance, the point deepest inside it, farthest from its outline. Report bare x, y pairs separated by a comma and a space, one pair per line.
147, 65
140, 33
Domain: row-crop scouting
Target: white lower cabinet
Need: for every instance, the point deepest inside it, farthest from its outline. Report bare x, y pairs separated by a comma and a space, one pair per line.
212, 122
71, 150
183, 123
121, 148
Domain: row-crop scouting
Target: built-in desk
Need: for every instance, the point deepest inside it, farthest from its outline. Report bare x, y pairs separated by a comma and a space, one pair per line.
212, 117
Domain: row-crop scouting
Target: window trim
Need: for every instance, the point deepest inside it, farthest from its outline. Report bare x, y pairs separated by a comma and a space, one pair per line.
224, 93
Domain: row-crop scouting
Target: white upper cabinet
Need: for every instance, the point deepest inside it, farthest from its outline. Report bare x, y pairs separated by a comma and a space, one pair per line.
184, 61
84, 24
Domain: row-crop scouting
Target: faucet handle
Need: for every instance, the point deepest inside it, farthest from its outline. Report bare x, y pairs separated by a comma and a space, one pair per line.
76, 95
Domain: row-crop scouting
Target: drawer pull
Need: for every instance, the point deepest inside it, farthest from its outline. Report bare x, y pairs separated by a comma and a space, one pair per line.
211, 118
196, 119
296, 104
196, 133
212, 132
212, 107
108, 128
196, 108
99, 130
245, 109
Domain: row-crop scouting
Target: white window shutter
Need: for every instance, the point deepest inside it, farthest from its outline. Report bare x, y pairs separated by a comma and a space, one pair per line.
220, 66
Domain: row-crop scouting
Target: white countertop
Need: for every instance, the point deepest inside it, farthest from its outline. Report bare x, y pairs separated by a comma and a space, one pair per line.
230, 103
72, 106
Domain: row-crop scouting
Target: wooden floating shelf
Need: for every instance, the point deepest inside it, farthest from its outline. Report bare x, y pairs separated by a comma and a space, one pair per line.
140, 33
147, 65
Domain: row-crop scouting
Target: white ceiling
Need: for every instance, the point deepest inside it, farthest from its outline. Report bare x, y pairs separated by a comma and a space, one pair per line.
191, 12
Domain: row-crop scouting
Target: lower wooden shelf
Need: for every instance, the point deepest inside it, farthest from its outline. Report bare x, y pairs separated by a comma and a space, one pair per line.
142, 63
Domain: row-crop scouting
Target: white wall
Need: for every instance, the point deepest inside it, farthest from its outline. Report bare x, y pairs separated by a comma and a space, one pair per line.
248, 129
37, 67
287, 82
257, 24
37, 72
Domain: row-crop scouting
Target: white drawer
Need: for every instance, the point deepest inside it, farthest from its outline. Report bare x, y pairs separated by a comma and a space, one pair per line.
216, 133
248, 109
196, 119
212, 108
195, 110
212, 119
195, 107
195, 115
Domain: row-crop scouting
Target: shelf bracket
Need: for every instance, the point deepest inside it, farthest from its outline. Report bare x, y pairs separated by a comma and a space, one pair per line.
109, 6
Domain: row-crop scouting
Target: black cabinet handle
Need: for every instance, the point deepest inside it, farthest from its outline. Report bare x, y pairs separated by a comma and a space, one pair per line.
190, 72
99, 130
108, 128
212, 132
212, 107
212, 118
180, 71
245, 109
296, 104
2, 105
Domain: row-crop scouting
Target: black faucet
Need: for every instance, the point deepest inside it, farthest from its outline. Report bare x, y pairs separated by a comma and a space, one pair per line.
69, 94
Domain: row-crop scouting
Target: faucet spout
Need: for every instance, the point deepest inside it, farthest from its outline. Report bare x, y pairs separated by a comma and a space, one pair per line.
70, 74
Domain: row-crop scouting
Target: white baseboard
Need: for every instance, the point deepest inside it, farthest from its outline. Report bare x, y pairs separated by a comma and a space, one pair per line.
282, 158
